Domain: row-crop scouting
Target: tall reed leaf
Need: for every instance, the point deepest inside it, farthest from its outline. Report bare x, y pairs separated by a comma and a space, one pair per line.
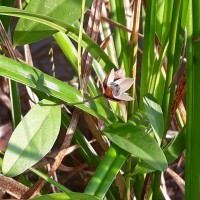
193, 99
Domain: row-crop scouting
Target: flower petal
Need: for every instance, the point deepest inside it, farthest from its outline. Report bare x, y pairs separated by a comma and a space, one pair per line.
125, 83
124, 97
120, 73
111, 77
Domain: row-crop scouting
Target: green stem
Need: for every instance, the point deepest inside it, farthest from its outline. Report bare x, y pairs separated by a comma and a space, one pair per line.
79, 45
128, 177
50, 180
15, 102
156, 185
193, 106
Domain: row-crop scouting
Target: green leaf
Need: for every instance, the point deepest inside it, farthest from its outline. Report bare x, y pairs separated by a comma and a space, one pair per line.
175, 148
50, 180
136, 141
142, 168
4, 19
72, 32
63, 196
155, 115
34, 78
33, 138
67, 11
139, 119
106, 171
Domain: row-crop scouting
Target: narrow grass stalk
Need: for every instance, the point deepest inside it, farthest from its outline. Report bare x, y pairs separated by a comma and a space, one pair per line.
132, 72
15, 102
105, 33
124, 36
134, 49
148, 49
116, 35
79, 45
167, 18
193, 106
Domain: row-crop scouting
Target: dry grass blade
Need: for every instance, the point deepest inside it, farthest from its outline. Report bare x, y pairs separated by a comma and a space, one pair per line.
146, 187
12, 187
179, 94
92, 32
96, 132
7, 42
111, 22
180, 182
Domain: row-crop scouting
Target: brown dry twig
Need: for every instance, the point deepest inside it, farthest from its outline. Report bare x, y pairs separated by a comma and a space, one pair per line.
180, 182
12, 186
146, 186
92, 32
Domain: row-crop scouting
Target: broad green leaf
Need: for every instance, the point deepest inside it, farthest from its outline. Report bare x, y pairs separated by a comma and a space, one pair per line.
106, 171
30, 31
155, 115
138, 142
33, 138
34, 78
72, 32
175, 148
63, 196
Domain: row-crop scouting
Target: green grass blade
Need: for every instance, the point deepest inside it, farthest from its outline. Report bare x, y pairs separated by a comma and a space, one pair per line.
116, 35
171, 57
79, 47
34, 78
15, 102
148, 49
123, 36
68, 196
174, 149
50, 180
167, 19
106, 172
193, 106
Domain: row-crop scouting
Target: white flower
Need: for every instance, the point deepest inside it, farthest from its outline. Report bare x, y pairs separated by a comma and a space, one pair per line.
115, 85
